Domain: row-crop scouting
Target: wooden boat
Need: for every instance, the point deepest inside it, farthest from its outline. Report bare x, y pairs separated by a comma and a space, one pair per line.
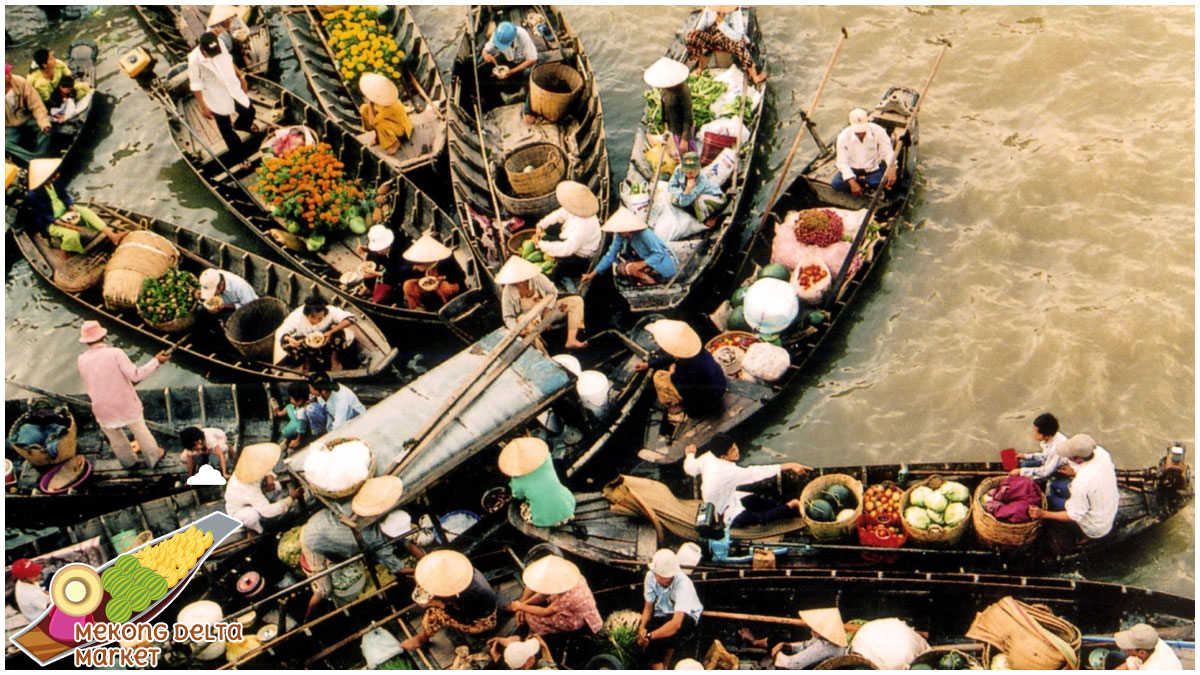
413, 213
1148, 497
81, 57
486, 127
198, 252
177, 29
694, 255
422, 91
664, 442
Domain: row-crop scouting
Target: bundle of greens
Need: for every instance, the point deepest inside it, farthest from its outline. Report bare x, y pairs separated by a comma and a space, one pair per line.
169, 297
731, 110
705, 91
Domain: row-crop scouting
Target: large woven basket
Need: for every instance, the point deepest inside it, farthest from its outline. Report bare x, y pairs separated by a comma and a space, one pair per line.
937, 536
846, 662
80, 272
546, 168
518, 239
997, 535
36, 454
838, 529
934, 655
342, 494
529, 206
552, 89
141, 255
1002, 633
175, 325
251, 328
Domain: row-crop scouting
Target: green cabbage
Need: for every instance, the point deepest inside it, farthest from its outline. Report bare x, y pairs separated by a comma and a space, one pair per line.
917, 517
936, 517
955, 492
919, 495
956, 513
936, 501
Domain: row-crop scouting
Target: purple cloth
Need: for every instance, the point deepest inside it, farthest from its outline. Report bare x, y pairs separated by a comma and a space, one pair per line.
1011, 501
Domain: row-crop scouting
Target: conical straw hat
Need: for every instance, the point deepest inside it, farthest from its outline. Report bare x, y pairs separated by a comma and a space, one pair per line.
378, 89
577, 199
377, 495
516, 270
623, 220
256, 462
551, 575
723, 9
676, 338
427, 250
444, 573
221, 12
827, 623
40, 171
665, 72
523, 455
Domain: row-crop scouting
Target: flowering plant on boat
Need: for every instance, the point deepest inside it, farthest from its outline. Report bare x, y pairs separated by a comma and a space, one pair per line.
362, 45
307, 189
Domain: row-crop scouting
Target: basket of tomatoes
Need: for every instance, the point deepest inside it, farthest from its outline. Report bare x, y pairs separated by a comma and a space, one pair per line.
879, 525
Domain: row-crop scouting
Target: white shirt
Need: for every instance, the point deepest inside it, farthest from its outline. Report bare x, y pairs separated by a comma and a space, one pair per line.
32, 599
1094, 495
580, 236
1051, 458
217, 80
875, 147
720, 480
521, 50
297, 325
247, 503
238, 291
1163, 658
733, 27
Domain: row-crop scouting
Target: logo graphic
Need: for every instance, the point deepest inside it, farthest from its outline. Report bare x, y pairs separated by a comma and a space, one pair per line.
206, 475
129, 590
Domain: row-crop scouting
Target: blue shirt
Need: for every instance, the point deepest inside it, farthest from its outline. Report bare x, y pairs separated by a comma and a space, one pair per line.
341, 407
680, 596
238, 291
703, 186
41, 208
647, 246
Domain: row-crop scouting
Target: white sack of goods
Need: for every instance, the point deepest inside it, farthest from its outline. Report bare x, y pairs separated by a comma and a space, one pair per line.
734, 81
724, 126
766, 362
668, 222
339, 468
721, 168
635, 195
888, 643
811, 278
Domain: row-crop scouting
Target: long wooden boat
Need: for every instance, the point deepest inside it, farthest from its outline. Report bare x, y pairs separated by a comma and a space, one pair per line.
413, 213
695, 255
421, 88
1148, 497
198, 252
177, 29
664, 442
486, 125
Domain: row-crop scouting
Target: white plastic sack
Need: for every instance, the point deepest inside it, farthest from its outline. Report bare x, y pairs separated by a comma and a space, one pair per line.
346, 465
851, 220
724, 126
378, 647
721, 167
785, 250
667, 221
811, 294
890, 644
638, 203
766, 362
734, 81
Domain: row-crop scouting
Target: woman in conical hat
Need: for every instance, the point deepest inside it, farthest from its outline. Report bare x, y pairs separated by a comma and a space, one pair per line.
670, 76
443, 278
383, 112
526, 461
462, 597
245, 498
557, 599
55, 215
524, 287
636, 253
688, 380
828, 640
571, 234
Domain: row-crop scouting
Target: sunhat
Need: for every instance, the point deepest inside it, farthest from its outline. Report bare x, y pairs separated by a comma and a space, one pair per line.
676, 338
691, 161
444, 573
379, 238
1140, 636
91, 331
516, 270
858, 121
40, 171
377, 496
665, 72
427, 250
577, 199
221, 12
378, 89
827, 623
551, 575
664, 563
505, 35
523, 456
689, 664
256, 462
209, 280
1080, 445
517, 654
623, 220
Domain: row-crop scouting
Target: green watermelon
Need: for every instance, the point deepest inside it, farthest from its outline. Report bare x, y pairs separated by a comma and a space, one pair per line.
772, 338
840, 496
920, 666
738, 297
775, 271
737, 320
814, 318
117, 611
952, 661
821, 511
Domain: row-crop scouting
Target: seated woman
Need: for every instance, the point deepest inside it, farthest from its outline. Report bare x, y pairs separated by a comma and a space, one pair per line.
46, 73
68, 99
462, 597
688, 380
692, 190
383, 112
636, 253
722, 28
579, 238
556, 599
391, 269
442, 277
296, 346
524, 287
526, 461
55, 215
828, 640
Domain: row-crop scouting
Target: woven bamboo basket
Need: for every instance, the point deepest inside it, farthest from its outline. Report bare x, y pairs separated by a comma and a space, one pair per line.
997, 535
934, 655
518, 239
251, 328
175, 325
535, 170
80, 272
531, 206
838, 529
1026, 651
141, 255
552, 89
347, 492
937, 536
36, 454
846, 662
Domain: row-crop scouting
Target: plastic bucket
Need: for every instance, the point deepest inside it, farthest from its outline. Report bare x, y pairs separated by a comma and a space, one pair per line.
1008, 457
204, 613
688, 554
593, 389
569, 362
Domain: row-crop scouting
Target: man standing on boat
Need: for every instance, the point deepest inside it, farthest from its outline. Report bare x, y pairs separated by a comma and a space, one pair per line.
864, 156
24, 116
108, 378
1095, 496
520, 54
220, 90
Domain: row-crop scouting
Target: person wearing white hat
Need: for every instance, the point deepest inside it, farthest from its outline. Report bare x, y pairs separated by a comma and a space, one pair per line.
1095, 496
828, 640
248, 492
55, 215
671, 609
688, 380
316, 317
557, 599
722, 28
579, 238
636, 253
25, 120
443, 277
518, 654
671, 76
385, 249
384, 113
462, 598
865, 156
220, 91
527, 463
232, 291
226, 22
524, 287
1145, 650
689, 664
108, 378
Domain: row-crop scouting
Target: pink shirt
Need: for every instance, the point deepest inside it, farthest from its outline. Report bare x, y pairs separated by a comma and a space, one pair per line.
108, 378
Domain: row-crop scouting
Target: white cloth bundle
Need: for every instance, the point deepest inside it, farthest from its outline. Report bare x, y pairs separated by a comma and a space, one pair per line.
340, 468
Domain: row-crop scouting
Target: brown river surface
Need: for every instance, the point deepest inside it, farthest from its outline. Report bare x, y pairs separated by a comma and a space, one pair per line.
1049, 263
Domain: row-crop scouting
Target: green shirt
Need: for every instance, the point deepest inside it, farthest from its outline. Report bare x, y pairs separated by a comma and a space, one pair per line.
46, 85
549, 502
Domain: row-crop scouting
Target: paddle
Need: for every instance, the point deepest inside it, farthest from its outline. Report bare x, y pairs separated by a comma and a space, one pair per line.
807, 117
82, 403
501, 239
836, 288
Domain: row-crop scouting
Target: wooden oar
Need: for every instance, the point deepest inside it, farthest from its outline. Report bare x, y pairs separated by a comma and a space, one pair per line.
762, 618
82, 403
807, 117
501, 236
658, 169
737, 160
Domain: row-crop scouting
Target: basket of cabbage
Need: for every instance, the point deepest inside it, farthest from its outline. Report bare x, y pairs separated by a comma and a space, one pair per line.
936, 513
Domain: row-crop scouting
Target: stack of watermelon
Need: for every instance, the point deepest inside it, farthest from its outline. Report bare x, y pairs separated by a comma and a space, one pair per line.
737, 318
836, 502
132, 587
